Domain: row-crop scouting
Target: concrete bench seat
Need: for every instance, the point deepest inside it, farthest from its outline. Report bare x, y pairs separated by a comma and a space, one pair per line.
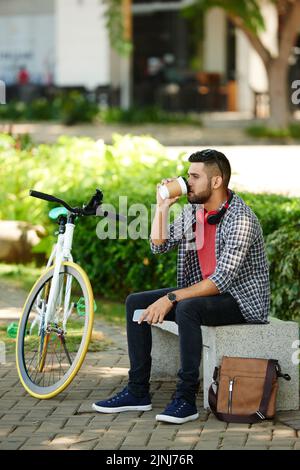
275, 340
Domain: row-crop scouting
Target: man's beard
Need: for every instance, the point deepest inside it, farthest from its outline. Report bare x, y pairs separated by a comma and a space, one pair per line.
200, 198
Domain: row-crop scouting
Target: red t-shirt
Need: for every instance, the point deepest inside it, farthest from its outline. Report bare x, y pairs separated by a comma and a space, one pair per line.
205, 243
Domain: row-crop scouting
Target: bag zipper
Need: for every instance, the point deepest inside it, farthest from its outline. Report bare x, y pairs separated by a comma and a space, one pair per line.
231, 382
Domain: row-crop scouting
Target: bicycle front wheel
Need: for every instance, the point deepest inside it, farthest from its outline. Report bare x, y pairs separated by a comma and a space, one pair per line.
49, 355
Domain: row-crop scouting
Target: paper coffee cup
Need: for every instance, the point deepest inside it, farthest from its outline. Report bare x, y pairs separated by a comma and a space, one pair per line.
177, 187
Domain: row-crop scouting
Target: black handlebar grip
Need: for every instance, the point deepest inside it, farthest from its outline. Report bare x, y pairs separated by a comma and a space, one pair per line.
48, 197
44, 196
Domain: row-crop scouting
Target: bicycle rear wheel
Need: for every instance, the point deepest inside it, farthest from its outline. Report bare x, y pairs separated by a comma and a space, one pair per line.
49, 356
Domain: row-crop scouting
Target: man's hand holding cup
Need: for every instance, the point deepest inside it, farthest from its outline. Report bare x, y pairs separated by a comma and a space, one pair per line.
170, 190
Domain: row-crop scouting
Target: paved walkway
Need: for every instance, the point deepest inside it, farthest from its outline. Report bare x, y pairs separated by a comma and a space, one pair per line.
68, 422
218, 129
165, 134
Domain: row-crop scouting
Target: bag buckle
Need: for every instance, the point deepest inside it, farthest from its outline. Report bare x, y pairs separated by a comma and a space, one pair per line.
260, 415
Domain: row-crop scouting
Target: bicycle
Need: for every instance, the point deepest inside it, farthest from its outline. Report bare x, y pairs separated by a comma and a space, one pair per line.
57, 320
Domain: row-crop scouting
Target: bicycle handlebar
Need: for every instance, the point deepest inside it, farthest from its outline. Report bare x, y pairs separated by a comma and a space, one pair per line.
89, 209
48, 197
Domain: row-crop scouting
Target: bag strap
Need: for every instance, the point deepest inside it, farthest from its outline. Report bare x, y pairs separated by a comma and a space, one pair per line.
259, 415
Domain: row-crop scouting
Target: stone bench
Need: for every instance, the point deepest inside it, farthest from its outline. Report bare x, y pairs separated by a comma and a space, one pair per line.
275, 340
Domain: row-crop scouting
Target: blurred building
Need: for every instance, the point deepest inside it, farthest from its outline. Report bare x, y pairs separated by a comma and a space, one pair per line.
65, 43
59, 41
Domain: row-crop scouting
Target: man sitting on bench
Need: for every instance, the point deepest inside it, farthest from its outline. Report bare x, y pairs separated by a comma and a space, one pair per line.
223, 279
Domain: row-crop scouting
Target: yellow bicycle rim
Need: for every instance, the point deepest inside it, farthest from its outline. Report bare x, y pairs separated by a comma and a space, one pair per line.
88, 286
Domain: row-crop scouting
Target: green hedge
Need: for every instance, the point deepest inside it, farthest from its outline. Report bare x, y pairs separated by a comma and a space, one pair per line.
148, 114
283, 248
72, 169
73, 107
67, 107
274, 211
261, 131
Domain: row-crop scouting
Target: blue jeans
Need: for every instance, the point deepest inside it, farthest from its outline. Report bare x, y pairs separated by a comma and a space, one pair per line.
189, 315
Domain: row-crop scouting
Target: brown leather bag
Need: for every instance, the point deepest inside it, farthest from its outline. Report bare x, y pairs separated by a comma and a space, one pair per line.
246, 389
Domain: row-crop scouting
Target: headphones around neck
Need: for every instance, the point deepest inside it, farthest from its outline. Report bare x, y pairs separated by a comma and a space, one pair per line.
214, 217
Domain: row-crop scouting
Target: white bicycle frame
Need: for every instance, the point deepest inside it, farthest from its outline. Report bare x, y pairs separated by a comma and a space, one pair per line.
62, 251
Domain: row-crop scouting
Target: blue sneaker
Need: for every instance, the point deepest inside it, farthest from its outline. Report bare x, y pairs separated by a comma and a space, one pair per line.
123, 401
179, 411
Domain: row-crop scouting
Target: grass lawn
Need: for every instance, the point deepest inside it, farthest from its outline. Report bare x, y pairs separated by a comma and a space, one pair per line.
23, 277
98, 341
19, 276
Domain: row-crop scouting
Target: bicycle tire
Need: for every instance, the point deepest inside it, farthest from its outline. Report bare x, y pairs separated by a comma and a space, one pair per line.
53, 390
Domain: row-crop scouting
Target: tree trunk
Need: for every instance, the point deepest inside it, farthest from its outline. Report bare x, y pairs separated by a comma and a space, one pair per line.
280, 114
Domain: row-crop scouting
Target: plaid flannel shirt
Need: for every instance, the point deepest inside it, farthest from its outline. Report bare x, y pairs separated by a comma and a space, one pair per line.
242, 267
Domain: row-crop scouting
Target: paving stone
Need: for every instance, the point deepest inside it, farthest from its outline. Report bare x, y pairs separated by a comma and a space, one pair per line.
136, 440
64, 411
6, 404
38, 441
232, 446
259, 438
85, 446
64, 440
162, 443
68, 421
12, 417
237, 437
35, 447
134, 448
186, 440
181, 447
107, 444
5, 431
282, 443
213, 426
287, 432
91, 435
86, 407
37, 415
47, 404
18, 392
55, 426
256, 447
12, 445
24, 430
210, 435
207, 445
233, 428
78, 421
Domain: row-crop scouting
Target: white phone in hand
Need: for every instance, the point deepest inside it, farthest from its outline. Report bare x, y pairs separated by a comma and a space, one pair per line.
137, 314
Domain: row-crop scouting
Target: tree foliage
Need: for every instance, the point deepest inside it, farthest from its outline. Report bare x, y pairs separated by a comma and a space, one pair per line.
247, 10
115, 25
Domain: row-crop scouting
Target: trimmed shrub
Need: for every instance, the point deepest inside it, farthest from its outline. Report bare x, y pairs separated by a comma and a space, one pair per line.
283, 248
73, 168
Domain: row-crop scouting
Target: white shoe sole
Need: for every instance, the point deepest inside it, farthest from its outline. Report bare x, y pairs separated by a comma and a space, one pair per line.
172, 419
104, 409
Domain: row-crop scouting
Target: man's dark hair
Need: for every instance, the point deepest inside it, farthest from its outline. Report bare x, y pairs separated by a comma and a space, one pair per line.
215, 158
